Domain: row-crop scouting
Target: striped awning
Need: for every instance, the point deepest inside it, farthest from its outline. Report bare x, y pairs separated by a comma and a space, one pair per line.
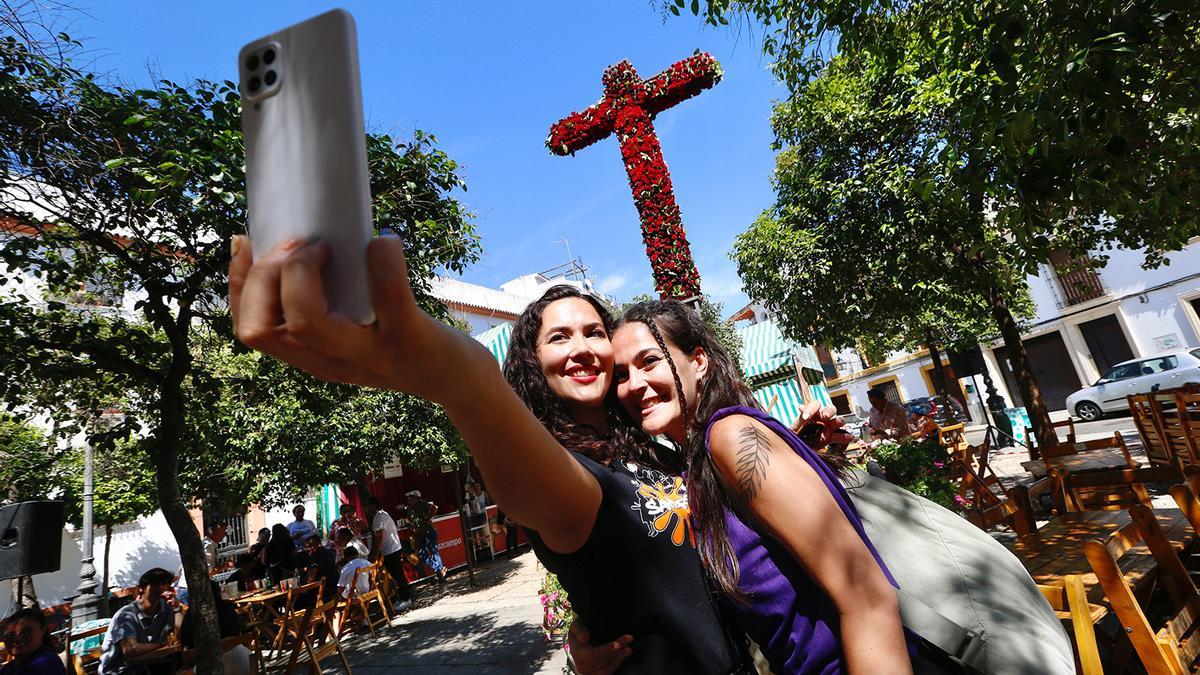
765, 350
782, 400
496, 340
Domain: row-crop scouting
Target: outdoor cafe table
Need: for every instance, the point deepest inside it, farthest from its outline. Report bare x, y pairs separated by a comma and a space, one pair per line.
1100, 459
1055, 550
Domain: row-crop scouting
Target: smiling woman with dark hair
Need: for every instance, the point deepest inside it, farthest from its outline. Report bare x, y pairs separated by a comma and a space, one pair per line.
27, 640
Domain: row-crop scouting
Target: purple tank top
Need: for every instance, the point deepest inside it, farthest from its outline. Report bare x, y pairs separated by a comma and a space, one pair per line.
790, 617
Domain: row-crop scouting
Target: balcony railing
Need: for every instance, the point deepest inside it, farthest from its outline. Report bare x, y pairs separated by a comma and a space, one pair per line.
1077, 278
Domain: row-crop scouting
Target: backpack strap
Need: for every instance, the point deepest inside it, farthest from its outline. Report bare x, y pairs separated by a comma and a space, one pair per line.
961, 645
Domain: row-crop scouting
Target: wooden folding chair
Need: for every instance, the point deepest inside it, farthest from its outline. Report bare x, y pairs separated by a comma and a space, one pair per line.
1070, 604
289, 606
361, 602
1188, 411
1171, 423
1191, 473
1016, 510
316, 642
83, 664
1153, 442
1068, 424
1112, 490
1115, 441
953, 437
1175, 648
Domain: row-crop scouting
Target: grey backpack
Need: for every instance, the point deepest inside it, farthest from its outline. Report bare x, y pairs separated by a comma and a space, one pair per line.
961, 590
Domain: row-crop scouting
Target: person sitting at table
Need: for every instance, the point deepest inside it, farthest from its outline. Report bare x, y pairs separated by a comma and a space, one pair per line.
923, 426
259, 548
142, 626
318, 563
249, 571
345, 537
230, 624
281, 555
29, 645
887, 419
353, 562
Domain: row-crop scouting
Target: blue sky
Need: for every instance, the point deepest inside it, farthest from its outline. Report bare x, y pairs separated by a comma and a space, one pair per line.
488, 79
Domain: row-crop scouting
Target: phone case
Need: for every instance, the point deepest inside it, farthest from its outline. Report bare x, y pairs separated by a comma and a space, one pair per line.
306, 154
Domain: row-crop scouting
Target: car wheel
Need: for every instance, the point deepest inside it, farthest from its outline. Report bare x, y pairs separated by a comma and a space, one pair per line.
1088, 411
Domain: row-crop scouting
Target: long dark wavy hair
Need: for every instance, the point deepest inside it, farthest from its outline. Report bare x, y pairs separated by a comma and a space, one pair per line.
623, 440
672, 322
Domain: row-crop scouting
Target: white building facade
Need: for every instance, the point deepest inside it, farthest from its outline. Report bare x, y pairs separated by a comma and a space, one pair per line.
1085, 322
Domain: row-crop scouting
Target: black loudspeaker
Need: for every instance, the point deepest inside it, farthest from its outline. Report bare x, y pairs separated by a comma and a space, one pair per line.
966, 362
30, 538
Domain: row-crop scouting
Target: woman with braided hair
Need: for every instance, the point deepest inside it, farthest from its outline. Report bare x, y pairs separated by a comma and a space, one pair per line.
775, 528
607, 515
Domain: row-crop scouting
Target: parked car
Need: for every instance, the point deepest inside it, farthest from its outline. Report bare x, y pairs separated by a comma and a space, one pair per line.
854, 424
1135, 376
943, 410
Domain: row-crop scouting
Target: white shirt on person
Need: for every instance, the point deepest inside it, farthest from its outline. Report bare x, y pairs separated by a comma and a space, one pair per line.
347, 576
389, 541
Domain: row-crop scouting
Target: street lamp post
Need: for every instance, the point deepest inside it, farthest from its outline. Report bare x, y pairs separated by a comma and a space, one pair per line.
86, 605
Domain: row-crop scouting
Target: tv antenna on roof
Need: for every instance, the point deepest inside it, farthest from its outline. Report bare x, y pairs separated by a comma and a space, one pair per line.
572, 269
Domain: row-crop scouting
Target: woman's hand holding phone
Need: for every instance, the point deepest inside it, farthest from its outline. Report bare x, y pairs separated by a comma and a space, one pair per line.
280, 309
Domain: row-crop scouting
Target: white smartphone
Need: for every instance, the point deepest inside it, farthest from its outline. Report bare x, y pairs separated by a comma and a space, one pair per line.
306, 153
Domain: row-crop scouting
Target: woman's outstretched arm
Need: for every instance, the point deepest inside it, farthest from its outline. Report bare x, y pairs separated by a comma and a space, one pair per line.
788, 498
279, 308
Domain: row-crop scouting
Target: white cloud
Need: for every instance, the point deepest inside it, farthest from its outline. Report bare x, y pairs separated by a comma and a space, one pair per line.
612, 283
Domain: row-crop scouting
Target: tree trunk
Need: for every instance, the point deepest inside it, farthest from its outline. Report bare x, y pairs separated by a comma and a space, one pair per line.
1039, 417
201, 604
104, 579
940, 383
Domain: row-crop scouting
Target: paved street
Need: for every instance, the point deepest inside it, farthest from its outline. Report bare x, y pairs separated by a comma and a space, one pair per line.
1084, 431
491, 629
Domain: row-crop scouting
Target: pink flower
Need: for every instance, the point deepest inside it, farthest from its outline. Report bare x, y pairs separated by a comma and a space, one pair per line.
938, 465
960, 500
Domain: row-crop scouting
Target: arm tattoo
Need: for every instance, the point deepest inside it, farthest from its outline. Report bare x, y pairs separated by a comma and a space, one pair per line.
752, 460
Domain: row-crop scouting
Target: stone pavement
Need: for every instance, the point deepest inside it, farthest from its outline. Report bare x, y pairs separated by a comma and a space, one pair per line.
492, 628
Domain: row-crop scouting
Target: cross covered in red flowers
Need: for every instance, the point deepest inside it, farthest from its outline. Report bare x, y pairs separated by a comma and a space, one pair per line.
629, 107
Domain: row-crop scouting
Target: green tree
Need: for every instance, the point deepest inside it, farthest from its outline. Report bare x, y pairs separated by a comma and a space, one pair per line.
123, 490
106, 190
29, 470
1040, 126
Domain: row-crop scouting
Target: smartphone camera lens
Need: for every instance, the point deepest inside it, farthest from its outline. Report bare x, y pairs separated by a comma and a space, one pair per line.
269, 78
254, 84
269, 57
252, 62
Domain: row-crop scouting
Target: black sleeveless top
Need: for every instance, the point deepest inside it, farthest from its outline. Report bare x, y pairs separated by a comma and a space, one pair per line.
639, 573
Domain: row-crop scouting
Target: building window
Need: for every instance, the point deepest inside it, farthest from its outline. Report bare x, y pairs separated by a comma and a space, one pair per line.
1077, 278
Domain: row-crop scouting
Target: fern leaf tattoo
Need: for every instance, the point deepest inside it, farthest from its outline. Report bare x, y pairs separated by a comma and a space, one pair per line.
753, 457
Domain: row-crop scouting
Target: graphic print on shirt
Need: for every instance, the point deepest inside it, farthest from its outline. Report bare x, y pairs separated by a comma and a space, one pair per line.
662, 504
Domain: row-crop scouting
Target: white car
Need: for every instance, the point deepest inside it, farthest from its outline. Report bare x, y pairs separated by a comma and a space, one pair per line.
1136, 376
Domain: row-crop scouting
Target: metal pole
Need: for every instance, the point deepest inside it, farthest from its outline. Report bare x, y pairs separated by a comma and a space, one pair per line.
86, 605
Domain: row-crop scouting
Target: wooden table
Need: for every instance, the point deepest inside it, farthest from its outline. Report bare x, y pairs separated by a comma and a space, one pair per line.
1056, 549
1101, 459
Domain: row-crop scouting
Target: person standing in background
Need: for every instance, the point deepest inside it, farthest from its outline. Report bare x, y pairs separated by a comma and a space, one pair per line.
420, 514
385, 546
300, 529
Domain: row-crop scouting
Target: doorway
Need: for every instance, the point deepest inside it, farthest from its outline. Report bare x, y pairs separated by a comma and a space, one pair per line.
1051, 366
842, 403
1106, 341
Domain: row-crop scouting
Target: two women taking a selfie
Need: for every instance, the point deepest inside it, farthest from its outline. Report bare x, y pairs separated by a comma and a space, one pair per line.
739, 529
